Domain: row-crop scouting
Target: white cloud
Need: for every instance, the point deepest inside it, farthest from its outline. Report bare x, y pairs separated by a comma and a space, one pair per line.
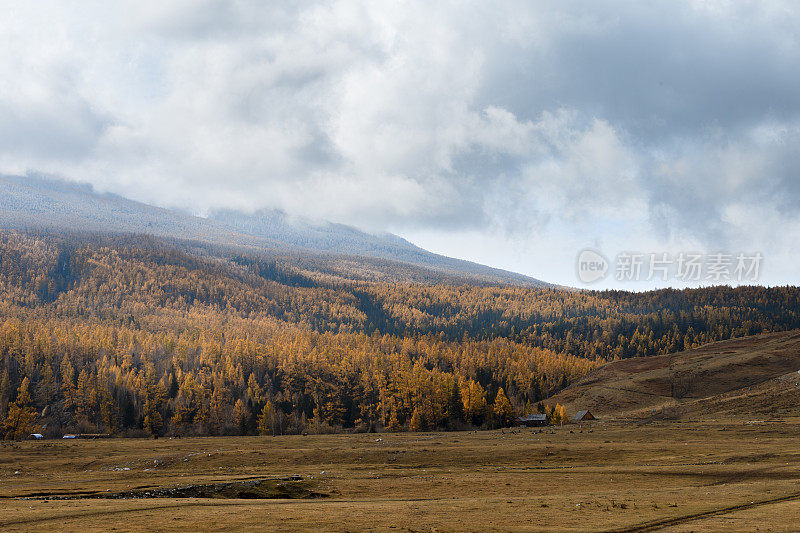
609, 122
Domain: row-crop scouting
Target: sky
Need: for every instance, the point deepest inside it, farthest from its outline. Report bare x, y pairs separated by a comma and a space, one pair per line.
514, 134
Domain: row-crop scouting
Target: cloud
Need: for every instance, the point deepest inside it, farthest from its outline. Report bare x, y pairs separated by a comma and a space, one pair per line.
659, 121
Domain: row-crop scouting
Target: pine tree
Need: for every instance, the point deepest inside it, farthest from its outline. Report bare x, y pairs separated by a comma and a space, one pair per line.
85, 396
474, 402
173, 386
455, 407
5, 391
557, 414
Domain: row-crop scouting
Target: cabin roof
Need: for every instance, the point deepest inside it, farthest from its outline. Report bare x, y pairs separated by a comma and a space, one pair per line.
532, 418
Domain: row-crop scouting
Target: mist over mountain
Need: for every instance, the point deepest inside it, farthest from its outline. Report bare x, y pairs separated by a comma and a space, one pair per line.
29, 202
319, 235
42, 203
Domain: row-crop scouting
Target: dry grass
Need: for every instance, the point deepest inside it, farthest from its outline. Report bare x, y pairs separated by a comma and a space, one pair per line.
709, 379
679, 475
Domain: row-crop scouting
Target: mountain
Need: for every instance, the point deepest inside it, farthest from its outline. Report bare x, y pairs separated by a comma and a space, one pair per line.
45, 204
323, 236
28, 203
135, 335
755, 376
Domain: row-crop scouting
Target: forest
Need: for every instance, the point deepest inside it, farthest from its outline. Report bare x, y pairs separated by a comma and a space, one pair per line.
132, 335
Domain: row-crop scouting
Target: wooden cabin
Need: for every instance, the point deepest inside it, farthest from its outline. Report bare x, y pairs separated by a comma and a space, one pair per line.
582, 416
531, 420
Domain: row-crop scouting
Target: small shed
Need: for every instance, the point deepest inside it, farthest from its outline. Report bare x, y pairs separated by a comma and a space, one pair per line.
531, 420
581, 416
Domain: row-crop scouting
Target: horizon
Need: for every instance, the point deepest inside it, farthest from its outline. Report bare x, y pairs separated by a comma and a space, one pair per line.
632, 285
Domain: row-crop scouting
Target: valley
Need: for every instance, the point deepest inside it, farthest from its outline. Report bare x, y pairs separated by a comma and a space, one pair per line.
733, 474
262, 373
723, 456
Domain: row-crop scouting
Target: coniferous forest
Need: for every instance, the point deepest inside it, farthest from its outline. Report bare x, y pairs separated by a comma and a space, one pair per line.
132, 335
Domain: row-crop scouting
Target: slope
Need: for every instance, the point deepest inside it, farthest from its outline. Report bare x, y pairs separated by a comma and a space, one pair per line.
732, 378
36, 203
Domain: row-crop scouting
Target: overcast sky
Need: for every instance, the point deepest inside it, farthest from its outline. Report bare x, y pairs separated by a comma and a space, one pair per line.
511, 133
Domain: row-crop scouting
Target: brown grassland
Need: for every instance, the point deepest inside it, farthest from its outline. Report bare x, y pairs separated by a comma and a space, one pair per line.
746, 377
606, 476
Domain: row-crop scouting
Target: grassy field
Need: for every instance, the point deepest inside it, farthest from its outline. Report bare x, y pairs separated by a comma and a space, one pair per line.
608, 476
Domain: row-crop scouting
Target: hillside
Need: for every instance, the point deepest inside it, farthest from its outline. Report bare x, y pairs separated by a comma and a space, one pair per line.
755, 376
132, 335
31, 203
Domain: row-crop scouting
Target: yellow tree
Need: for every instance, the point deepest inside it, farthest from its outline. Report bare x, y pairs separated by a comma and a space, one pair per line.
108, 412
562, 413
21, 414
394, 421
153, 421
474, 398
68, 382
503, 409
240, 415
416, 423
218, 409
558, 414
254, 390
47, 386
85, 396
266, 421
154, 396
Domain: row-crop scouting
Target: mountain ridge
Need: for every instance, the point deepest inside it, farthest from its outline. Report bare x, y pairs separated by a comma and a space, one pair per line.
33, 202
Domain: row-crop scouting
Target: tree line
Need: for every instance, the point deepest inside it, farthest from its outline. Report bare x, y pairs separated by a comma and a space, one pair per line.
137, 336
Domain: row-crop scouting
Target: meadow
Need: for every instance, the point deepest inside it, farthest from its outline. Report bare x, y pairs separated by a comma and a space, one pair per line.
697, 475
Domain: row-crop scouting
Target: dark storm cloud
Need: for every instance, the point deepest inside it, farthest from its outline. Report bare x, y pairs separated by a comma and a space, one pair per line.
658, 69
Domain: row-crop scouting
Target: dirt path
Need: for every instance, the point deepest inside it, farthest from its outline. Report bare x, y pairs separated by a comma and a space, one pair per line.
669, 522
